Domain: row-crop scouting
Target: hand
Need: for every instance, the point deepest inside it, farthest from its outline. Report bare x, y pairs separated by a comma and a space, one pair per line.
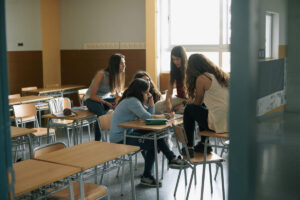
110, 105
150, 100
168, 106
172, 115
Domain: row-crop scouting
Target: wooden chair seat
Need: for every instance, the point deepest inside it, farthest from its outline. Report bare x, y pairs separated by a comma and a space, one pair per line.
42, 131
25, 119
91, 192
213, 134
42, 107
199, 157
63, 121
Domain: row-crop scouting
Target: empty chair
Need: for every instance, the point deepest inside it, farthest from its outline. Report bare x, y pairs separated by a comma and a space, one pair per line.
25, 113
81, 95
91, 191
39, 106
14, 96
198, 159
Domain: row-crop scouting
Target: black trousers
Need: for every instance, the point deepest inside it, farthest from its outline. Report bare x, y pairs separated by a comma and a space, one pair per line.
194, 113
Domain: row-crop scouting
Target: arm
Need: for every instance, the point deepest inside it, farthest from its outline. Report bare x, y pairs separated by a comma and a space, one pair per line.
202, 84
168, 98
93, 95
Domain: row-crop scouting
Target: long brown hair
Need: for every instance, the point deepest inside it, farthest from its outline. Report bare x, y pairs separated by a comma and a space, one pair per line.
153, 89
178, 74
198, 64
116, 77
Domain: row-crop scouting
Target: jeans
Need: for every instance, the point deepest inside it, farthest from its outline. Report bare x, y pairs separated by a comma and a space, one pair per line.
98, 109
148, 145
194, 113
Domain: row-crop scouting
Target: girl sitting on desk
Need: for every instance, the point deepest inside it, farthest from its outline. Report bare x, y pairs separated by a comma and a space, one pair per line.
131, 107
106, 82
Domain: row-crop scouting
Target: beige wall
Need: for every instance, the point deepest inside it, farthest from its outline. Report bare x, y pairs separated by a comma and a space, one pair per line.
51, 41
151, 39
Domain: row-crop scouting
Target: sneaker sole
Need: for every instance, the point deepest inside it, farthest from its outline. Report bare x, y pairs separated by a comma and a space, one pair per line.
150, 185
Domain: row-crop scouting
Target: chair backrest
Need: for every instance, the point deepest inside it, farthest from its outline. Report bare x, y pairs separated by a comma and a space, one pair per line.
28, 88
24, 110
58, 104
180, 134
14, 96
105, 121
41, 150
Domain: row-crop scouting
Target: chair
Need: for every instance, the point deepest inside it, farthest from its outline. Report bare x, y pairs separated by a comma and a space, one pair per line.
57, 105
222, 138
14, 96
40, 106
91, 191
198, 159
81, 95
26, 113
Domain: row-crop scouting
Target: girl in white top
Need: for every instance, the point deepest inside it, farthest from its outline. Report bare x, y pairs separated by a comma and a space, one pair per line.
205, 83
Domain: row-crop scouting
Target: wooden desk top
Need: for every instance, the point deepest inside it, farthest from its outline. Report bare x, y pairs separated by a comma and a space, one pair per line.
28, 99
33, 174
140, 124
88, 154
80, 114
18, 131
55, 89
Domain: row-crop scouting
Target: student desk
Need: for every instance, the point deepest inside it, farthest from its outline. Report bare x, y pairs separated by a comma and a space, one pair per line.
33, 174
19, 136
91, 154
55, 91
28, 99
157, 132
80, 116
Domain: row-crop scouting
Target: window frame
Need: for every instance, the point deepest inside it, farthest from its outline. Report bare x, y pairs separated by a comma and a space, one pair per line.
219, 48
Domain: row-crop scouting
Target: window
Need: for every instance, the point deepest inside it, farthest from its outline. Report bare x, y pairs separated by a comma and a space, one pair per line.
269, 35
200, 26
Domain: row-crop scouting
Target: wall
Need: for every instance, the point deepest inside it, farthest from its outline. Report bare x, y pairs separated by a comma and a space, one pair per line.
279, 7
95, 21
23, 25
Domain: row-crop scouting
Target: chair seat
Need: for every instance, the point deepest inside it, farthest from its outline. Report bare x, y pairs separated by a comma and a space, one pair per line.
42, 107
199, 157
42, 131
63, 121
25, 119
213, 134
91, 192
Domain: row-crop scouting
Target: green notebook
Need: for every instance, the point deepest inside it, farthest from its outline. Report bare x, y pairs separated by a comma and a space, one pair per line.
153, 121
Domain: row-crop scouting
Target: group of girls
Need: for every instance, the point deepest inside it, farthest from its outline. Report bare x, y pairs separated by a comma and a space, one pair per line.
202, 97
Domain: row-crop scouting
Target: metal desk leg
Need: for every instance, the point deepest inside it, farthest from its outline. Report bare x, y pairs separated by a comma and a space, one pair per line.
132, 178
156, 167
48, 132
71, 189
81, 187
30, 147
74, 133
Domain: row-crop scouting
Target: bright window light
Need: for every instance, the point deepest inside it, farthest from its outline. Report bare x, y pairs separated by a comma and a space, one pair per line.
195, 22
269, 22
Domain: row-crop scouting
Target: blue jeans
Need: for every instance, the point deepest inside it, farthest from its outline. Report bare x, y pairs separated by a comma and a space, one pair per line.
99, 109
148, 145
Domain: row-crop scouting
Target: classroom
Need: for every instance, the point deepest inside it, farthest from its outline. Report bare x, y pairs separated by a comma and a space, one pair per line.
149, 99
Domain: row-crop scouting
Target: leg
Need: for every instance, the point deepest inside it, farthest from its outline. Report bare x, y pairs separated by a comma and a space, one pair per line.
193, 113
99, 109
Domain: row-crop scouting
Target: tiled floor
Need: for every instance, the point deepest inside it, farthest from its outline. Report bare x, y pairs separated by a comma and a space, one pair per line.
113, 182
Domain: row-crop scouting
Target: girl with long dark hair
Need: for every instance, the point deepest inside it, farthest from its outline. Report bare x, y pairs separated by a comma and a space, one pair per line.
132, 106
177, 77
205, 83
105, 87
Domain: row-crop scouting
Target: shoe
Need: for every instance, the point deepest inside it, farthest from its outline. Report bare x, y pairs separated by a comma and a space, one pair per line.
191, 152
200, 148
178, 163
149, 181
